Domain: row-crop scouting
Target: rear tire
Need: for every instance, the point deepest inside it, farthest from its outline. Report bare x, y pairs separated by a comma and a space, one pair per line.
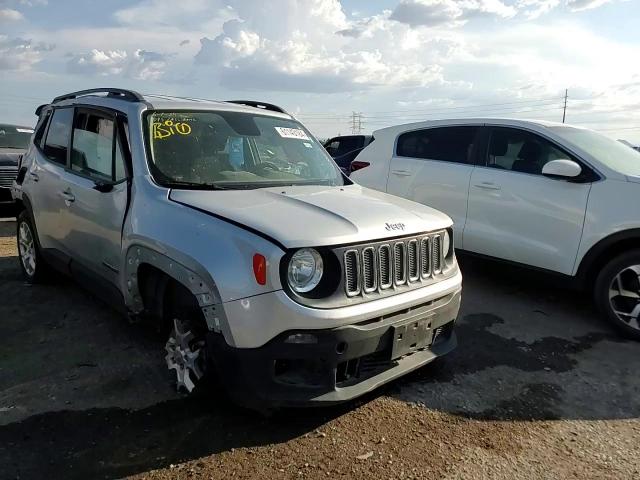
617, 293
34, 268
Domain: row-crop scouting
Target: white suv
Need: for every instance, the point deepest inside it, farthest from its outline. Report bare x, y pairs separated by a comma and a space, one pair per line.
551, 196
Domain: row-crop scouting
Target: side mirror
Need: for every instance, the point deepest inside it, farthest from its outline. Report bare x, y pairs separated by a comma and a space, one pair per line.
103, 187
562, 169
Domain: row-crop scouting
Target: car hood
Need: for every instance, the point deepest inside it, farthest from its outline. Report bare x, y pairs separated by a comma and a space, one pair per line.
9, 157
315, 215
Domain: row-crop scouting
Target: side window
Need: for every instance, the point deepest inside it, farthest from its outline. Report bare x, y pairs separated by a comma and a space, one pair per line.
520, 151
93, 142
448, 144
120, 171
332, 147
348, 144
41, 128
56, 144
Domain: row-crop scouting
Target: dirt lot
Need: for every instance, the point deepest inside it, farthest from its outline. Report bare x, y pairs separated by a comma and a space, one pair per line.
538, 388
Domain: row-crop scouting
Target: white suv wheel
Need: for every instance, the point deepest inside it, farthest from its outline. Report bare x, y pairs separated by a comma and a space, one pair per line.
624, 296
617, 293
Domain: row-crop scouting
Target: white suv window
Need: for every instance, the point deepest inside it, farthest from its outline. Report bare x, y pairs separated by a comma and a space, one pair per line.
448, 144
520, 151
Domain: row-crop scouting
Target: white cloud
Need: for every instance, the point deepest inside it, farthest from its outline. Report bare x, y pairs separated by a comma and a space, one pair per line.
535, 8
20, 54
312, 47
577, 5
139, 64
9, 15
448, 12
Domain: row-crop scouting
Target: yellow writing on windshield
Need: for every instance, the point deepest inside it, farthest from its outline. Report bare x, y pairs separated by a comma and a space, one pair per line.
167, 128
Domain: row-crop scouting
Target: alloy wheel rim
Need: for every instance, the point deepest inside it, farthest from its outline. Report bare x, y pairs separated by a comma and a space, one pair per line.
27, 249
624, 296
185, 355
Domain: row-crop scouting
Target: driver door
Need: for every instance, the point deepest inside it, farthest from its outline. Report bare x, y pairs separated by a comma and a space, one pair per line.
515, 213
96, 192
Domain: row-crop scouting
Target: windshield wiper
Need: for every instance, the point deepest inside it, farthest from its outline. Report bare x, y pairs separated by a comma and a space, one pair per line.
195, 185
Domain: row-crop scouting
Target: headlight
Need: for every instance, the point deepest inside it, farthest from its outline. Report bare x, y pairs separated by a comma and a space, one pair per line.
305, 270
446, 243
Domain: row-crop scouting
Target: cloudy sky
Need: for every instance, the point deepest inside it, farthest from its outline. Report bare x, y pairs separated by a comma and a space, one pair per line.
395, 61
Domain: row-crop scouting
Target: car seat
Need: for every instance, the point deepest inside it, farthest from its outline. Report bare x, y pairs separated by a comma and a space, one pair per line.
529, 158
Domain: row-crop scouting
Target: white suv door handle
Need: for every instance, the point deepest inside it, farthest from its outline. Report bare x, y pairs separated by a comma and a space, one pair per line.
34, 176
401, 173
487, 185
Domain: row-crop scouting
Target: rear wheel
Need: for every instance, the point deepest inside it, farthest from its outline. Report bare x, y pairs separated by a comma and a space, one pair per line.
617, 293
33, 267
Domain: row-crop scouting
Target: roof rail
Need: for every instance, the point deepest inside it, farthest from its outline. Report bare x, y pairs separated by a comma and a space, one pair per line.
128, 95
261, 105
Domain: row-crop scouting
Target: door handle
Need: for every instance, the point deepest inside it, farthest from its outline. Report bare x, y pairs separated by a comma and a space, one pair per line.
401, 173
34, 176
487, 186
68, 197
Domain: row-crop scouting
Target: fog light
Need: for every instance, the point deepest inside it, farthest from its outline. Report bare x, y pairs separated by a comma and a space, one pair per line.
301, 338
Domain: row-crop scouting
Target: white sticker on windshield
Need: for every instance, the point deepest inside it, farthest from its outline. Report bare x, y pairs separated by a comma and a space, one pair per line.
292, 133
24, 130
308, 145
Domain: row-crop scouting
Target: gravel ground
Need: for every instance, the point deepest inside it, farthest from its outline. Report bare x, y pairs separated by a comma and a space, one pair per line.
538, 388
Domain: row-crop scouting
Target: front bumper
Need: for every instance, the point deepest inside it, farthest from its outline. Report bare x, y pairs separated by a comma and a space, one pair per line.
343, 363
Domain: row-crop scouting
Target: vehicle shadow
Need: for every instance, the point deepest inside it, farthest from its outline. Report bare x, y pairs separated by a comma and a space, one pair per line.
529, 349
118, 442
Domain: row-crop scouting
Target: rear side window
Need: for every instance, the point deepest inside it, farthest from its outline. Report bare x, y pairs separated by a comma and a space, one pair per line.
41, 128
449, 144
57, 142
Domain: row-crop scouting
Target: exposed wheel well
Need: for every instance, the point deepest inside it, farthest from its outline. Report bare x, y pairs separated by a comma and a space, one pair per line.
605, 250
19, 206
163, 297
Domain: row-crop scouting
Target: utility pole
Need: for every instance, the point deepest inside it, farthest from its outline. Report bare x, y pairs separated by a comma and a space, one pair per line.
564, 111
356, 123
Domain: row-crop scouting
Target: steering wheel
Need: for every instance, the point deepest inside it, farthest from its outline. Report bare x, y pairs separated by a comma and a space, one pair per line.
269, 166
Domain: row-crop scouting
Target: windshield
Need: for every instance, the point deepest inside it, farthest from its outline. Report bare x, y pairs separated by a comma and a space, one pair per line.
15, 137
206, 149
613, 154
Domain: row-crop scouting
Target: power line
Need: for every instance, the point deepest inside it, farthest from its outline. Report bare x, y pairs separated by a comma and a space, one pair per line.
466, 110
426, 109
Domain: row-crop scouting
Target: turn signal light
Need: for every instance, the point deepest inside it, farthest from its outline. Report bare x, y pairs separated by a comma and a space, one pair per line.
260, 268
358, 165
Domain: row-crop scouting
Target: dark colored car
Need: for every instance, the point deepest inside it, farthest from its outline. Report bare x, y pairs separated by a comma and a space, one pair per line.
13, 143
345, 149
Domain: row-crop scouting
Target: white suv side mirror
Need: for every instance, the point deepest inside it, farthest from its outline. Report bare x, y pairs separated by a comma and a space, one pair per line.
562, 168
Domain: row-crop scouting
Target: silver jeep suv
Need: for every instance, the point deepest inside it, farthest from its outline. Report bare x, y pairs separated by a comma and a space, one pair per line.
228, 226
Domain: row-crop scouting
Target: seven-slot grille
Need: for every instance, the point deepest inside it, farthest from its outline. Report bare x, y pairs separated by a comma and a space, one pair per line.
7, 176
372, 268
